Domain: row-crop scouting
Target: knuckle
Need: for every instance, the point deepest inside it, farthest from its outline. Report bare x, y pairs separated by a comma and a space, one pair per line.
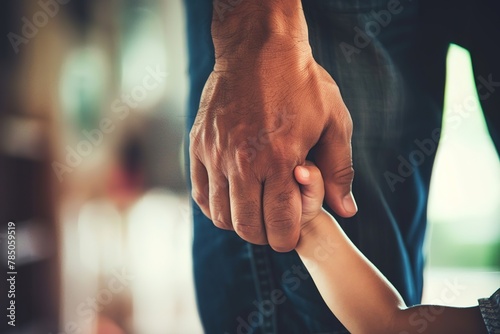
344, 124
200, 198
196, 146
344, 176
217, 162
219, 185
244, 154
340, 123
248, 159
282, 149
348, 124
281, 167
194, 136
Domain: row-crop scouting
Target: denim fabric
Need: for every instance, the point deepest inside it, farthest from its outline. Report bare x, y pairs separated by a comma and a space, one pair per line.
392, 81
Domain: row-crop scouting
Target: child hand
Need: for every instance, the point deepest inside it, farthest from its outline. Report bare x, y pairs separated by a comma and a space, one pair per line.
312, 191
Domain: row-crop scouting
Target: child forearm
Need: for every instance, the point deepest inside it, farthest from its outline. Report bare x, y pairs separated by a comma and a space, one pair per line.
361, 297
354, 290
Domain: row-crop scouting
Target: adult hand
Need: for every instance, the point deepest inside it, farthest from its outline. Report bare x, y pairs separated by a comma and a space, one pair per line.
264, 107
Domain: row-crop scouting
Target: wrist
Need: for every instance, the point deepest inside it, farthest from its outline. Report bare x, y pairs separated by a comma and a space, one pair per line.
313, 226
260, 33
314, 234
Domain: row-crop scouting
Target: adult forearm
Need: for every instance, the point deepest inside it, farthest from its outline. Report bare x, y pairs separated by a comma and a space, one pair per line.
244, 30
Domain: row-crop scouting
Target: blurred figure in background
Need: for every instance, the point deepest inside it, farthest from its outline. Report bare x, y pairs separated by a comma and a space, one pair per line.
91, 127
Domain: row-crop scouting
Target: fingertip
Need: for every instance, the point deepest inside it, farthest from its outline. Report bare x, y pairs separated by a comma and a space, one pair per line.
304, 172
301, 174
349, 204
345, 207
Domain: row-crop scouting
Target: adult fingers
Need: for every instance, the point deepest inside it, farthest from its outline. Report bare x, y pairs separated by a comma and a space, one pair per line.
282, 210
246, 208
219, 200
199, 185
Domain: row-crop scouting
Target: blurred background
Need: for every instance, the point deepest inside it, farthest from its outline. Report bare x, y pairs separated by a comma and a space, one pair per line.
91, 172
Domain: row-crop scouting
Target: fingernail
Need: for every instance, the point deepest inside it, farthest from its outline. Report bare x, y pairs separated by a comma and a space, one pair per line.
305, 172
350, 204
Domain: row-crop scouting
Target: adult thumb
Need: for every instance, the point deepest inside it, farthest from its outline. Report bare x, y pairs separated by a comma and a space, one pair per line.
334, 159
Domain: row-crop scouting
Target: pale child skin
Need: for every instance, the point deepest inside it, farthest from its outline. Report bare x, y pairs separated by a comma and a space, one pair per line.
354, 290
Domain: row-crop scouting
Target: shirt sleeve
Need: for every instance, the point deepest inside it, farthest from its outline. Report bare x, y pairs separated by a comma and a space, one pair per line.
490, 310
